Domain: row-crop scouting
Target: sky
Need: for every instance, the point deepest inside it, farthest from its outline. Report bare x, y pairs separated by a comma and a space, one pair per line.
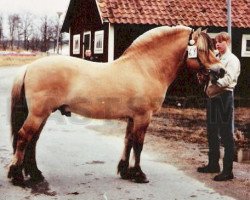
37, 7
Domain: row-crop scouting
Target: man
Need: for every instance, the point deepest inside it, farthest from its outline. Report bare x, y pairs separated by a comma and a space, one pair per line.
220, 112
88, 55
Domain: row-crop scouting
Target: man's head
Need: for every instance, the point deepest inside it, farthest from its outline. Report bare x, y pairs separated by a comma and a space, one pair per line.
222, 42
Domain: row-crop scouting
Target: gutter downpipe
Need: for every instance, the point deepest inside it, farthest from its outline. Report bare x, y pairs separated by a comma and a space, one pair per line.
229, 20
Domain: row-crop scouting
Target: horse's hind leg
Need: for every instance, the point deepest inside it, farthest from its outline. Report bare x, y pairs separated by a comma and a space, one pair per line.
128, 142
29, 162
28, 131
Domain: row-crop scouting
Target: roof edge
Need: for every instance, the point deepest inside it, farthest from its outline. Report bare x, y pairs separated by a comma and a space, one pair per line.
99, 11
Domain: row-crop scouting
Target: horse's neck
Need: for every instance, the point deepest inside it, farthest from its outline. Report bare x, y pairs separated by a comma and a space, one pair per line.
161, 60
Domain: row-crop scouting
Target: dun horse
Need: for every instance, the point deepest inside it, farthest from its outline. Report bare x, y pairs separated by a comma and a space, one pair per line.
131, 87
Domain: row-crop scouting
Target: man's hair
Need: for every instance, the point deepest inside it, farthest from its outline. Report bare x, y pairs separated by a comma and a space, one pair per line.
223, 36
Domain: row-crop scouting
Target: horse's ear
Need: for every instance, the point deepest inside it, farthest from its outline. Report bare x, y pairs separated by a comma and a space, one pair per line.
205, 30
198, 31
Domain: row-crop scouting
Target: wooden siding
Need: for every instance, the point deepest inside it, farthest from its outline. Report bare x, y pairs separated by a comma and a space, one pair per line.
186, 82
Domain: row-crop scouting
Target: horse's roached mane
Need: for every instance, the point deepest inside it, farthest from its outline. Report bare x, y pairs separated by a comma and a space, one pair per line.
153, 34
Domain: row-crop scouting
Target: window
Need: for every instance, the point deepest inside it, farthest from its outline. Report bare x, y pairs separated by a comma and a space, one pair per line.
76, 44
99, 37
245, 48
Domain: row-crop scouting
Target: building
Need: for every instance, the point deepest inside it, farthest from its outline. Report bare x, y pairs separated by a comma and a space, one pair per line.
108, 27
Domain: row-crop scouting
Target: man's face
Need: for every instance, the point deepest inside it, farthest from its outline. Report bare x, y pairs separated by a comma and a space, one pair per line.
221, 46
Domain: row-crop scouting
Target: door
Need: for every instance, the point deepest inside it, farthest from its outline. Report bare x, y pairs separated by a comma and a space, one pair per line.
86, 42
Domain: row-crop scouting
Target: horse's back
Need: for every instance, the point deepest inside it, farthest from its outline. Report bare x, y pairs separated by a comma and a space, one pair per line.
62, 67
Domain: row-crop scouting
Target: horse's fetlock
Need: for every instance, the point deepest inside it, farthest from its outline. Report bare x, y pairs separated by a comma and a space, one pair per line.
15, 173
122, 168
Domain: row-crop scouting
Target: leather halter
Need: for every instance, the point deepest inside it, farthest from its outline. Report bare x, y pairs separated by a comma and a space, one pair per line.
202, 68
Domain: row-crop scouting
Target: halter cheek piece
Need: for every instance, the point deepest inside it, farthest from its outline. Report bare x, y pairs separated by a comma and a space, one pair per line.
192, 52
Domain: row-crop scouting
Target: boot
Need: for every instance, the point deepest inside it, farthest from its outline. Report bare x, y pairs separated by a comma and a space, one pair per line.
213, 162
224, 176
226, 173
210, 168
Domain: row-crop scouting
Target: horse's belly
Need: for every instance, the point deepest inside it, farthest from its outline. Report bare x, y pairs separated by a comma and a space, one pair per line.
99, 111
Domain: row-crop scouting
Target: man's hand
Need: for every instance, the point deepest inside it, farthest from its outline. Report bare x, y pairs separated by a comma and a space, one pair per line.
214, 81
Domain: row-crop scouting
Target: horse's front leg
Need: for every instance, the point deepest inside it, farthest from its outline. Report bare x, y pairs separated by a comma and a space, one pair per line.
25, 135
140, 128
128, 143
135, 172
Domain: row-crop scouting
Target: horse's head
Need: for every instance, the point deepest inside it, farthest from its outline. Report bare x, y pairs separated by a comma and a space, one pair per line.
201, 53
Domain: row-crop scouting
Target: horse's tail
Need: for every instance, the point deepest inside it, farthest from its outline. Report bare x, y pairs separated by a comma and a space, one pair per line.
19, 109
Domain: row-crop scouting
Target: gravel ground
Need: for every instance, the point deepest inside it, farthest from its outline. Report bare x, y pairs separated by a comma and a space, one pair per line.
178, 136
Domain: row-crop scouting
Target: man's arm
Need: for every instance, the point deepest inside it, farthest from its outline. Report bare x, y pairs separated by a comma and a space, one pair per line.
231, 76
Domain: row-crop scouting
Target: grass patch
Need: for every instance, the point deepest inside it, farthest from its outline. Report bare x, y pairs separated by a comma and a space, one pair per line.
10, 60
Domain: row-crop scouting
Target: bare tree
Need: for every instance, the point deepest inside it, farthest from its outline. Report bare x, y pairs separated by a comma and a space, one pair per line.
1, 30
27, 29
55, 36
35, 42
14, 22
4, 43
49, 33
19, 32
44, 34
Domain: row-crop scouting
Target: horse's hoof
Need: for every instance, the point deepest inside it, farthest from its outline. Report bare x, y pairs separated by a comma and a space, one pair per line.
18, 182
122, 169
15, 173
34, 173
37, 178
141, 179
137, 175
125, 176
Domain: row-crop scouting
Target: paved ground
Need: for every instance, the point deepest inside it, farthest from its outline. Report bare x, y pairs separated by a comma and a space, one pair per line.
80, 163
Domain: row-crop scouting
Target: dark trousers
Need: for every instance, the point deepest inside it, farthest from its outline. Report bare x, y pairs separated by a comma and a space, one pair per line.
220, 127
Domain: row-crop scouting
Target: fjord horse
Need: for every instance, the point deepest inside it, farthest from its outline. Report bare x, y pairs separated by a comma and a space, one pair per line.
131, 87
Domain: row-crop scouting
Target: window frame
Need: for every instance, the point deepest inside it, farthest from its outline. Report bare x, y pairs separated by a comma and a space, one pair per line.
244, 51
99, 39
76, 49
